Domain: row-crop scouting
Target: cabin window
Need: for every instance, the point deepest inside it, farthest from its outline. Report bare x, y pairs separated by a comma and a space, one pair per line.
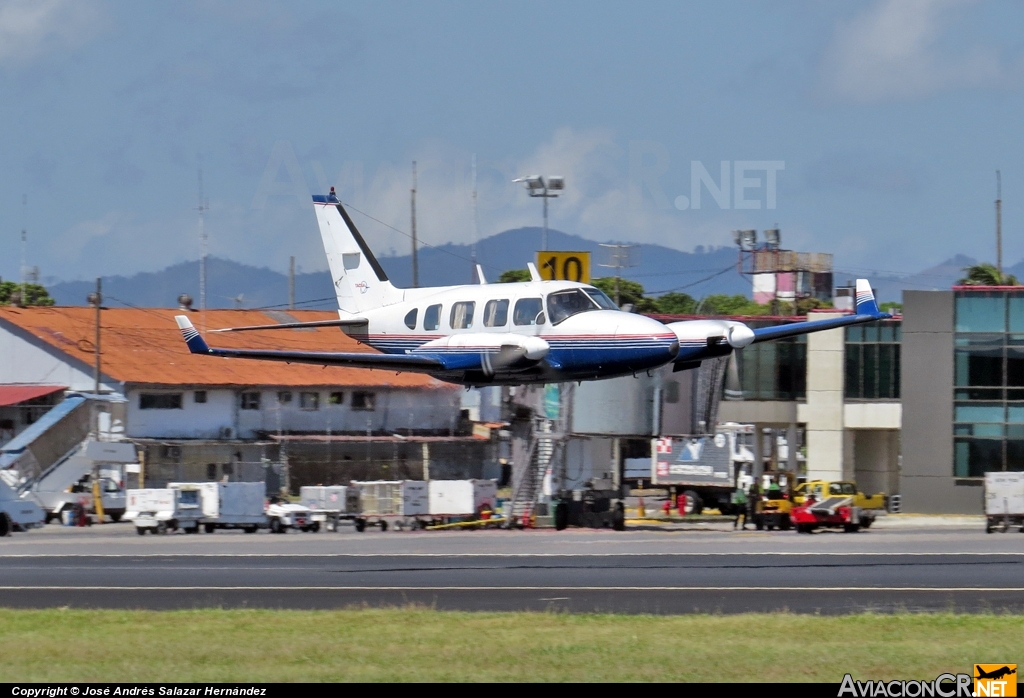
309, 401
527, 310
410, 319
199, 396
250, 401
462, 315
160, 401
565, 304
496, 313
336, 398
600, 298
363, 400
432, 317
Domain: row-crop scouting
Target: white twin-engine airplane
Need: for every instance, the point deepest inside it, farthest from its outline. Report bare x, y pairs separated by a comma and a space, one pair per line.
513, 334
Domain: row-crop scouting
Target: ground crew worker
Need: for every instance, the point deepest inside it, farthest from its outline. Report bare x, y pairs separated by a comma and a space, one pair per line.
753, 503
739, 503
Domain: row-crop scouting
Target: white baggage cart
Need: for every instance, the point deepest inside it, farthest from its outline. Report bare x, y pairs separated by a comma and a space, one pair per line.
331, 504
402, 502
163, 510
1004, 500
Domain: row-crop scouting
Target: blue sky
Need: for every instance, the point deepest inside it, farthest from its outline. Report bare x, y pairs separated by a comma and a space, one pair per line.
882, 122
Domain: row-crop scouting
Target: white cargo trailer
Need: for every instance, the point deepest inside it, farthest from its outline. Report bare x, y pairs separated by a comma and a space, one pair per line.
17, 514
400, 501
229, 504
462, 497
1004, 500
161, 510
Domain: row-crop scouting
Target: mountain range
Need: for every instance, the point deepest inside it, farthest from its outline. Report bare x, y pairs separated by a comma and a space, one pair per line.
659, 269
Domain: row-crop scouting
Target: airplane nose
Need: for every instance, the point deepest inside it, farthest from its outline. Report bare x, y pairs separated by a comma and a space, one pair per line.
740, 336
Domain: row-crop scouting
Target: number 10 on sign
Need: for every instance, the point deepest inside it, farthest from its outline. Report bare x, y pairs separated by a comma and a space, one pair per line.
564, 266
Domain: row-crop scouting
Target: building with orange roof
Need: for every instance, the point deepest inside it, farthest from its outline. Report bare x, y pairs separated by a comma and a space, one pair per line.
203, 418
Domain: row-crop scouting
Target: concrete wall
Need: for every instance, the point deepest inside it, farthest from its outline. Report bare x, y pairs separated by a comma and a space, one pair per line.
28, 360
394, 410
927, 483
827, 457
876, 459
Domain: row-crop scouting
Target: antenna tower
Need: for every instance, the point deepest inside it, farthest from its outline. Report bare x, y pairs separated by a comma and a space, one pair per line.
203, 207
999, 223
415, 263
476, 220
24, 262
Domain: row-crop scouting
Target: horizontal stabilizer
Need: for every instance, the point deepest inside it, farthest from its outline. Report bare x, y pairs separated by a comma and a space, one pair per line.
355, 322
867, 311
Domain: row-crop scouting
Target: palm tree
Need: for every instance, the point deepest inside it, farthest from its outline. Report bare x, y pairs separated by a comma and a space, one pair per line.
986, 274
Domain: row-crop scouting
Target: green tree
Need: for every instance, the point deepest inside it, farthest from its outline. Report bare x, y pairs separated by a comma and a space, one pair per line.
35, 294
986, 274
722, 304
891, 307
674, 303
629, 292
513, 276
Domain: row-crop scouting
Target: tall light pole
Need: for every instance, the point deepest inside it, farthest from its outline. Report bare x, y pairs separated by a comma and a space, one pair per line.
537, 187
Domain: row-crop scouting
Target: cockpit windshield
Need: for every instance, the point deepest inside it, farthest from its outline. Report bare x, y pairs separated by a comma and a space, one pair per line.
565, 304
602, 300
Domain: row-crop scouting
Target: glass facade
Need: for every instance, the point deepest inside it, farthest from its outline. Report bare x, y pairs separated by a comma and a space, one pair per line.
774, 370
873, 361
988, 382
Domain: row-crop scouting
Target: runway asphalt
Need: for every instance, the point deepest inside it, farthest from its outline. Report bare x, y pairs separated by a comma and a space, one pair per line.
684, 569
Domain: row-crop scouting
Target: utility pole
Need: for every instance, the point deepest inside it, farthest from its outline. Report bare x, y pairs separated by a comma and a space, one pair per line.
999, 224
620, 257
24, 259
538, 187
96, 299
415, 263
291, 284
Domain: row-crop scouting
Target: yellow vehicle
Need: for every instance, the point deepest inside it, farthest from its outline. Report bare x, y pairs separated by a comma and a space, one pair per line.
774, 512
823, 489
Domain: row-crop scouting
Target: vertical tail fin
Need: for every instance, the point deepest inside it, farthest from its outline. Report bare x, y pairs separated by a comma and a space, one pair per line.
359, 280
866, 304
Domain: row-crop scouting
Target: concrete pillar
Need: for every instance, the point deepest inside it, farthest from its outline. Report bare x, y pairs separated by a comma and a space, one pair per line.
826, 447
758, 449
791, 449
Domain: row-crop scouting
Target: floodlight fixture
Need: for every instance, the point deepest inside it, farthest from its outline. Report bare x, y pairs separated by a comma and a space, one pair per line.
772, 238
536, 187
749, 238
556, 183
737, 238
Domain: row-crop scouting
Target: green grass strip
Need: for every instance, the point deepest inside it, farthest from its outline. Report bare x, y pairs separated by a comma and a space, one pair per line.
418, 644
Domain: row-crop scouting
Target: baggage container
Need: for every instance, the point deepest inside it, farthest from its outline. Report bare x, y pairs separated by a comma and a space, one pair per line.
462, 497
160, 510
335, 498
1004, 500
229, 504
393, 498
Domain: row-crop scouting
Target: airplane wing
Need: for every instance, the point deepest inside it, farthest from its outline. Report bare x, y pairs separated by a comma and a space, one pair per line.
390, 362
867, 311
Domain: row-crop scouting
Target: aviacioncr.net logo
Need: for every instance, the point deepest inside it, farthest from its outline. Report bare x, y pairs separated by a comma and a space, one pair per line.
943, 686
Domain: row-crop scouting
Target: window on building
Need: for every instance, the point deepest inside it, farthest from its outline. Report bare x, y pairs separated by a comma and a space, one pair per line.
410, 319
363, 400
671, 392
336, 398
432, 317
988, 382
773, 370
160, 401
462, 315
199, 397
211, 471
527, 311
227, 468
170, 453
309, 401
250, 400
496, 313
873, 361
284, 397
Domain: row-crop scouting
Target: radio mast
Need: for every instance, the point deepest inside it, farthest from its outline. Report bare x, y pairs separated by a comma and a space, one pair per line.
202, 208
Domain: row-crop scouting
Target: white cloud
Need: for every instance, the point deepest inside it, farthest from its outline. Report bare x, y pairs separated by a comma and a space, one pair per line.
30, 28
894, 50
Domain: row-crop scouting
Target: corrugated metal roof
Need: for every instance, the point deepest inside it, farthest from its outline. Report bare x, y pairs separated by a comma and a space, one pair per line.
144, 346
14, 394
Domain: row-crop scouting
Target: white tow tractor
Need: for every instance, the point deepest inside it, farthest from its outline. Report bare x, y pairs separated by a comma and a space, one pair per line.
163, 510
17, 514
283, 515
